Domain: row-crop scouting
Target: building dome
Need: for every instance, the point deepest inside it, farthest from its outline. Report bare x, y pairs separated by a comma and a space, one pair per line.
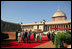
59, 13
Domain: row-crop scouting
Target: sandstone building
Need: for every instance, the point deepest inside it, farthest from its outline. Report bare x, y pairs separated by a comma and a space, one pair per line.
59, 20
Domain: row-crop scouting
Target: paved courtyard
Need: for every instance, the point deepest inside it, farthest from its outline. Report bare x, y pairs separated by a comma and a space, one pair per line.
46, 45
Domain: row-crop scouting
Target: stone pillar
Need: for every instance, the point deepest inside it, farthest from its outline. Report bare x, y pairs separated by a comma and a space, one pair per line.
52, 27
21, 27
55, 27
49, 28
65, 26
43, 26
46, 27
68, 25
62, 26
58, 27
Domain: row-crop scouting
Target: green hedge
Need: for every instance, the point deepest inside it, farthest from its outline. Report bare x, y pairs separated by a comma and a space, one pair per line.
60, 37
68, 32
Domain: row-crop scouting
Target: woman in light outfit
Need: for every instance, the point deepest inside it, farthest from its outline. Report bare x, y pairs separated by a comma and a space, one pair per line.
37, 37
19, 35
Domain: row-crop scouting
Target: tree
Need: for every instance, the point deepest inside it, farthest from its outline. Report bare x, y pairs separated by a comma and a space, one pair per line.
60, 37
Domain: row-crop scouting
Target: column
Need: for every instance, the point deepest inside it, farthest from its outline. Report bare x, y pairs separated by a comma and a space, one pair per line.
49, 28
58, 27
52, 27
55, 27
61, 26
70, 25
65, 26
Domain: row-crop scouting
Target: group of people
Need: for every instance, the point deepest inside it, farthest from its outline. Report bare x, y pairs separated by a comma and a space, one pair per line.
51, 36
25, 35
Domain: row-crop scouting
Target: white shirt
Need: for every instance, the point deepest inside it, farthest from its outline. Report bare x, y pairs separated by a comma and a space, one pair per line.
19, 34
37, 35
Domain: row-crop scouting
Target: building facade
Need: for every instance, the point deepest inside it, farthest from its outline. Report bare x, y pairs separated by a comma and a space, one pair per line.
9, 27
59, 20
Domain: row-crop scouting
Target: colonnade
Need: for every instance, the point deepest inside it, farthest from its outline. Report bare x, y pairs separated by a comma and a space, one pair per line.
57, 26
48, 27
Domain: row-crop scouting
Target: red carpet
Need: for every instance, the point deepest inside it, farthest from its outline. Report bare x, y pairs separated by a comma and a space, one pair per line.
33, 43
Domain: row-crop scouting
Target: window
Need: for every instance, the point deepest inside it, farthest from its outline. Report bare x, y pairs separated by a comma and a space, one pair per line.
37, 26
55, 26
69, 25
66, 26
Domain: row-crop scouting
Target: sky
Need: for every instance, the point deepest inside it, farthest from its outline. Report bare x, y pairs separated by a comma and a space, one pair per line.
33, 11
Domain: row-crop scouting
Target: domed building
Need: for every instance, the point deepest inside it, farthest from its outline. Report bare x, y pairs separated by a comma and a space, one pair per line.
59, 16
59, 20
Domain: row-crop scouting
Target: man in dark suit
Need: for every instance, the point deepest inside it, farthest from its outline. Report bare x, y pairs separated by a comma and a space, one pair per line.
34, 35
16, 34
25, 36
29, 35
48, 35
53, 37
